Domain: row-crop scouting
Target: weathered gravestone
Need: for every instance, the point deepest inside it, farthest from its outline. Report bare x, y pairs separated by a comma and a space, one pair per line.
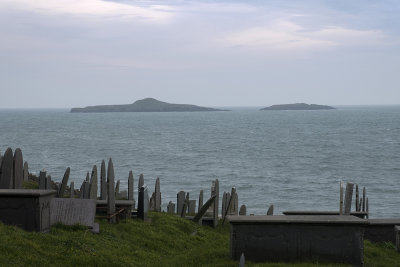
103, 181
157, 196
72, 211
18, 169
185, 206
235, 205
26, 171
42, 179
204, 209
48, 182
171, 207
141, 181
192, 206
72, 190
224, 203
270, 210
200, 200
117, 189
143, 203
6, 176
111, 192
152, 201
64, 182
130, 186
86, 190
93, 184
82, 190
180, 200
215, 191
242, 211
347, 198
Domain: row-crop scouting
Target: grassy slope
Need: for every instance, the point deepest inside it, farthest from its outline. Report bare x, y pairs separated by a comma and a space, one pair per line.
166, 241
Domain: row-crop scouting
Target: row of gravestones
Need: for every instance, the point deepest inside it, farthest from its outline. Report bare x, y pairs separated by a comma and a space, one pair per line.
13, 170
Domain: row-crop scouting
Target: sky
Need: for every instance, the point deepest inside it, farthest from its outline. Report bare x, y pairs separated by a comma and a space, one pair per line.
76, 53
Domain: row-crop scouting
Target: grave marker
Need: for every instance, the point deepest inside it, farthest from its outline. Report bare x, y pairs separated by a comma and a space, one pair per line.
111, 192
130, 186
71, 190
103, 181
143, 202
215, 191
242, 211
64, 182
200, 200
180, 200
93, 184
171, 207
270, 210
42, 179
6, 176
18, 169
26, 171
48, 182
157, 199
192, 207
347, 198
204, 209
117, 189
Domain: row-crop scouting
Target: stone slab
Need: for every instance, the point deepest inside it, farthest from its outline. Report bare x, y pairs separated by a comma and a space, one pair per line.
381, 230
70, 211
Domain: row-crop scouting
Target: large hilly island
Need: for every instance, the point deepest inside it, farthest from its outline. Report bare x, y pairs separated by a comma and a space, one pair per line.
144, 105
298, 106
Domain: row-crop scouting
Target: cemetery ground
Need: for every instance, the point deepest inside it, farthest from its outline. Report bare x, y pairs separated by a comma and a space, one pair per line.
166, 240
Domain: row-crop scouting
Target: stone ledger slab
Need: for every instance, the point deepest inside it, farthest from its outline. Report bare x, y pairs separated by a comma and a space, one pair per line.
288, 238
71, 211
26, 208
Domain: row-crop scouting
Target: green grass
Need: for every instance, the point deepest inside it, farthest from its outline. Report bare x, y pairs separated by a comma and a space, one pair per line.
166, 241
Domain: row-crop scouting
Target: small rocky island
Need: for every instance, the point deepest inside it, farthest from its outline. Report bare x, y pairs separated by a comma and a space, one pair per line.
298, 106
145, 105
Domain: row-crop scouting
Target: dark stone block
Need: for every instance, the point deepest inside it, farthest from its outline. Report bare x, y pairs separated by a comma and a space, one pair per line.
381, 230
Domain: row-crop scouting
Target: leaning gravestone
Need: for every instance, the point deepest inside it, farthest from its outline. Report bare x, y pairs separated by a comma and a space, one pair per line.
93, 184
6, 179
72, 211
64, 182
200, 200
204, 209
111, 192
270, 210
26, 171
224, 200
103, 181
130, 186
18, 169
157, 196
143, 203
180, 200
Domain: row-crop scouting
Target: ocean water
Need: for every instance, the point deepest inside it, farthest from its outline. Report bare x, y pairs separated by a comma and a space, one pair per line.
292, 159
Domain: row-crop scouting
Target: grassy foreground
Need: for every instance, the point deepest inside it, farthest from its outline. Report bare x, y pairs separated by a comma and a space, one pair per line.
166, 241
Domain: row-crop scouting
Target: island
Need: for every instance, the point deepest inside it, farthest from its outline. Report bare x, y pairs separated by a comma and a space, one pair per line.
144, 105
298, 106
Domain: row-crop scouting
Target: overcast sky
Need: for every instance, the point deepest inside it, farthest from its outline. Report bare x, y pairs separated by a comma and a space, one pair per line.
71, 53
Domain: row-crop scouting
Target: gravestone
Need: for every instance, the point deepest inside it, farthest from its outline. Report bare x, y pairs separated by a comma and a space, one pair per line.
171, 207
215, 191
235, 205
93, 184
152, 201
82, 190
347, 198
180, 200
64, 182
6, 176
72, 211
224, 204
341, 211
200, 200
117, 189
130, 186
87, 190
242, 211
42, 180
48, 182
364, 197
204, 209
103, 181
71, 190
26, 171
18, 169
123, 195
397, 236
229, 203
157, 199
111, 192
141, 181
270, 210
242, 260
192, 207
185, 206
143, 203
357, 199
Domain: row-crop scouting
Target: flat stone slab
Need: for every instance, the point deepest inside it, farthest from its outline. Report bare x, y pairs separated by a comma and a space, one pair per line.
71, 211
381, 230
360, 214
287, 238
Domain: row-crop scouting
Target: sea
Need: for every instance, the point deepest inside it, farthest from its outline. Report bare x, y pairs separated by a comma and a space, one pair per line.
294, 160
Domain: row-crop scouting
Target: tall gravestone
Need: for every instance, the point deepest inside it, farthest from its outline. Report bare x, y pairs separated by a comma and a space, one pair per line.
242, 211
48, 182
185, 206
26, 171
93, 184
42, 179
87, 190
130, 186
215, 191
157, 196
235, 205
6, 178
117, 190
71, 190
141, 181
347, 198
111, 192
103, 181
180, 200
192, 207
270, 210
200, 201
143, 202
64, 182
82, 190
18, 169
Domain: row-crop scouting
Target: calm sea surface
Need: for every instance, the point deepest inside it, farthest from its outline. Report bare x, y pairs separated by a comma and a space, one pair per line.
292, 159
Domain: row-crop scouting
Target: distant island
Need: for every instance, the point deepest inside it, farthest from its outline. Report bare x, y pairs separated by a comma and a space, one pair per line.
144, 105
298, 106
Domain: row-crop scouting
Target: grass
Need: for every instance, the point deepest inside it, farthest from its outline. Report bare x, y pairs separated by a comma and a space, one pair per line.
166, 241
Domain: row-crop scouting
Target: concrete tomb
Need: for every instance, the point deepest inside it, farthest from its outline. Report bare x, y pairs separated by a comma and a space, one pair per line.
381, 230
71, 211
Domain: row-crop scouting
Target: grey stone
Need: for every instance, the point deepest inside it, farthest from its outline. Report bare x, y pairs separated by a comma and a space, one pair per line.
341, 199
143, 203
348, 197
42, 180
157, 196
215, 191
71, 190
87, 190
229, 203
6, 176
103, 181
397, 236
242, 211
200, 200
26, 171
70, 211
130, 186
18, 169
224, 204
95, 228
117, 189
357, 200
64, 182
111, 192
171, 207
242, 260
152, 201
364, 197
48, 182
123, 194
192, 207
185, 206
93, 184
82, 190
180, 200
270, 210
204, 209
26, 208
235, 205
141, 181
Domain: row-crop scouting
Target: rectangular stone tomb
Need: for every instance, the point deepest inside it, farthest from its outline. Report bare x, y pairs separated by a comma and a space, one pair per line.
288, 238
381, 230
70, 211
26, 208
126, 205
359, 214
